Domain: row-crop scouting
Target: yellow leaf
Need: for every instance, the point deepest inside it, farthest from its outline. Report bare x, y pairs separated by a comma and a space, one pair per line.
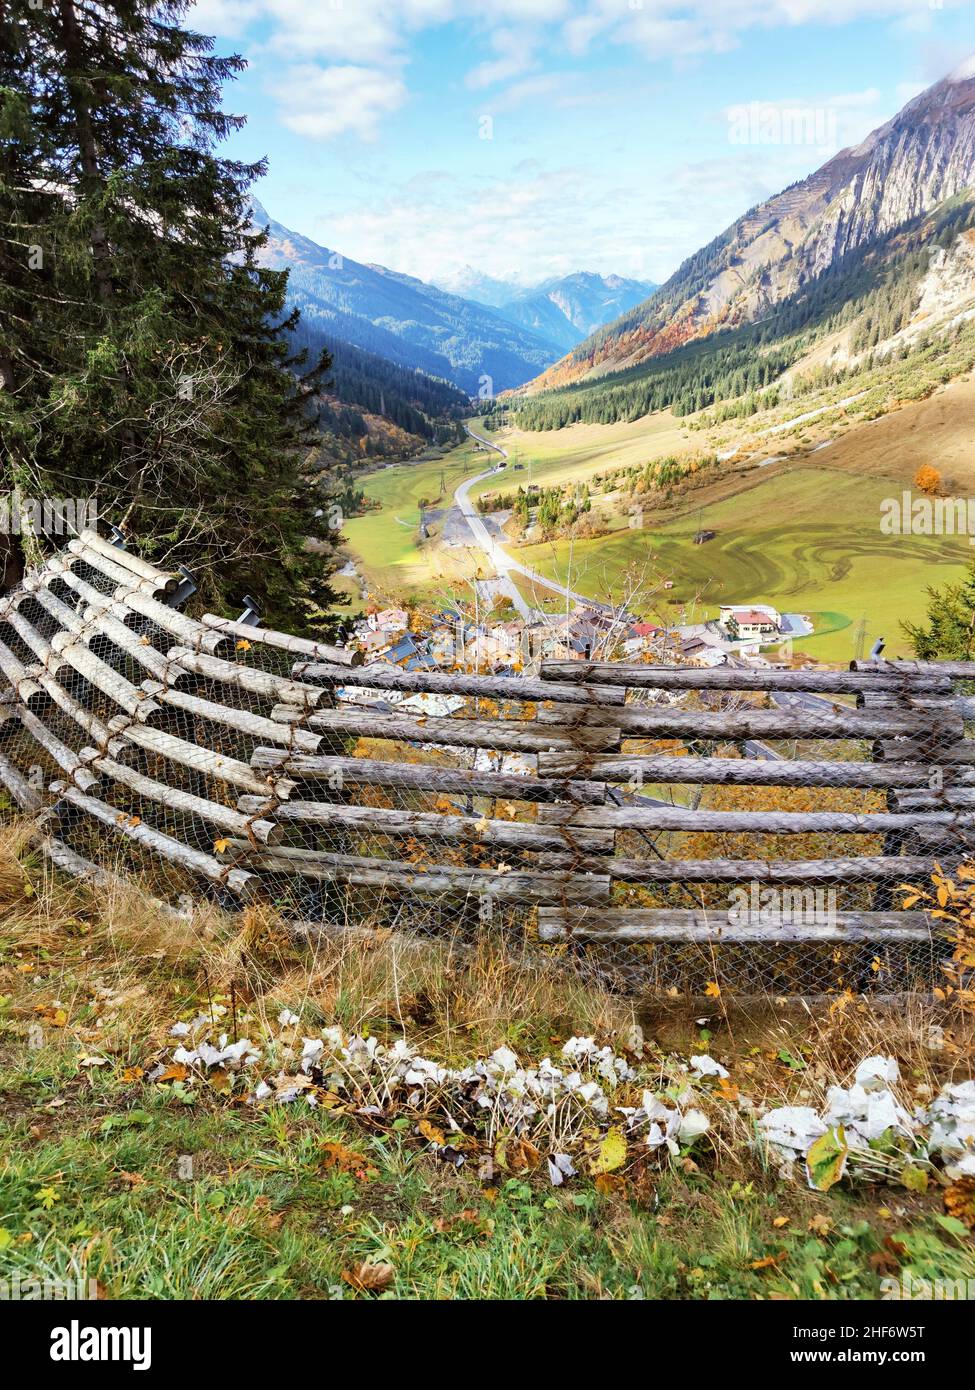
243, 645
712, 990
221, 846
611, 1153
432, 1133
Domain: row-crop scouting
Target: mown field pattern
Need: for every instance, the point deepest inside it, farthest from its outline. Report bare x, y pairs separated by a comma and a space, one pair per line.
806, 541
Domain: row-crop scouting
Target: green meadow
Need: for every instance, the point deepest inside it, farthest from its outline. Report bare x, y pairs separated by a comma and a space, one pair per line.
385, 542
807, 541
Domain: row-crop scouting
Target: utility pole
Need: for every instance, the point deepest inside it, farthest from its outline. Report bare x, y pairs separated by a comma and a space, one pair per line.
860, 638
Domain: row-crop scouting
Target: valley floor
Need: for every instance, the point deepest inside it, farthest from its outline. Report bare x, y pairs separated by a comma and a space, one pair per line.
796, 512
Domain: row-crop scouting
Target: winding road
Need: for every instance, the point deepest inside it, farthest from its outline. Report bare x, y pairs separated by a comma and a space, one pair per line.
502, 561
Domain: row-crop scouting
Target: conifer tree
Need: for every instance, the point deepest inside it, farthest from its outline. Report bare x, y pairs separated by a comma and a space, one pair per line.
142, 345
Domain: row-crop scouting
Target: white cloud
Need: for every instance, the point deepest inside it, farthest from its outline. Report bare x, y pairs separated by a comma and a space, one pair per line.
325, 102
514, 51
553, 220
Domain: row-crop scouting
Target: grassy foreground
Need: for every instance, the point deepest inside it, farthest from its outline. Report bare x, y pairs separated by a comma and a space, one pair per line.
171, 1188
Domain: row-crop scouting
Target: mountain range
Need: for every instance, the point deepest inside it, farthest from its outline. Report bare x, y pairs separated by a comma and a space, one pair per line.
403, 319
495, 337
564, 309
860, 204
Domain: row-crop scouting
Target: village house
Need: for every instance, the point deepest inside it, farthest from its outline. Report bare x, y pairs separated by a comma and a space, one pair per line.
640, 638
751, 622
389, 620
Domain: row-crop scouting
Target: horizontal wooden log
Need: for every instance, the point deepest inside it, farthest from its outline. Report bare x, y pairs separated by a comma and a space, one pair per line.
500, 735
636, 721
58, 751
941, 839
953, 753
203, 760
448, 881
110, 567
640, 676
370, 820
866, 869
760, 822
128, 559
743, 772
677, 925
947, 799
30, 637
70, 862
237, 674
381, 676
907, 700
15, 672
283, 641
21, 792
423, 777
137, 702
241, 882
138, 649
35, 586
130, 605
85, 718
265, 832
886, 670
242, 721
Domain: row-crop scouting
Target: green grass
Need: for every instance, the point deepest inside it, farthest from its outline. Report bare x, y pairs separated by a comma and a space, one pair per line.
385, 543
97, 1187
95, 1180
805, 541
574, 454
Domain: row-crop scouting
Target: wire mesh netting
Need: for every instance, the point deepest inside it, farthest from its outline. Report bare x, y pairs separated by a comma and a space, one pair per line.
658, 829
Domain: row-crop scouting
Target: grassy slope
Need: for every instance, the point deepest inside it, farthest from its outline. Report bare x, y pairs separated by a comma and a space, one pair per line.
806, 540
385, 543
576, 453
93, 1179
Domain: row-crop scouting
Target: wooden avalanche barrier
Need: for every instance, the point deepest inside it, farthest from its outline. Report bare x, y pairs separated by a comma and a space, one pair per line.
602, 804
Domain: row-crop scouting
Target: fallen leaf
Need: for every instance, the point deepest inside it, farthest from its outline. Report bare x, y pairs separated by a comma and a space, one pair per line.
369, 1278
959, 1201
432, 1133
611, 1153
608, 1183
175, 1072
826, 1159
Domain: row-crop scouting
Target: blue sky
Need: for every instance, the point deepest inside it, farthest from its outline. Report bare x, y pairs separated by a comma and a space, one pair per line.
529, 138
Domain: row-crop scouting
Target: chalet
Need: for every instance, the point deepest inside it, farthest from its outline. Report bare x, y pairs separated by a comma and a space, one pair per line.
755, 622
388, 620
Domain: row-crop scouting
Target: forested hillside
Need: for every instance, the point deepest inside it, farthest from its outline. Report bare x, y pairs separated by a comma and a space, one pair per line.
361, 384
873, 291
401, 318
